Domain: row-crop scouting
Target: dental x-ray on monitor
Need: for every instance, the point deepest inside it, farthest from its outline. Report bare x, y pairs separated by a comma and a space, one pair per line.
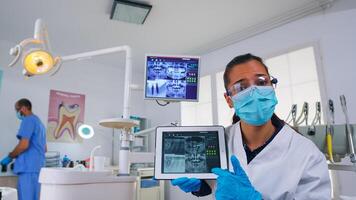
172, 78
189, 151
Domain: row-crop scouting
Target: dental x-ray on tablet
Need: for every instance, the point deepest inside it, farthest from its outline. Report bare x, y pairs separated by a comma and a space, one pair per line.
189, 152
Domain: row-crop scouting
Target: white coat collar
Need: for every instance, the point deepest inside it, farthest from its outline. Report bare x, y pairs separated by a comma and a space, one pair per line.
276, 148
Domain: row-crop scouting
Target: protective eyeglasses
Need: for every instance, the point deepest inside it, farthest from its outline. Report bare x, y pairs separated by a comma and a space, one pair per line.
260, 80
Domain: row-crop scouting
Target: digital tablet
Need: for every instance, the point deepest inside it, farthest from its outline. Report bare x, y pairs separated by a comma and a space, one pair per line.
189, 151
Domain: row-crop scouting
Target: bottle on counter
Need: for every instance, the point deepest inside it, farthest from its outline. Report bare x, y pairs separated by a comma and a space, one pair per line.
65, 161
84, 163
3, 168
71, 164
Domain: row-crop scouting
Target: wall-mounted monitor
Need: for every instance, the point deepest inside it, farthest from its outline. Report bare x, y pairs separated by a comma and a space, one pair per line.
172, 78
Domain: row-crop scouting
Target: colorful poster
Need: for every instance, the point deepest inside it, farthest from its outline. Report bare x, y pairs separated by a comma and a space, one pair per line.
65, 115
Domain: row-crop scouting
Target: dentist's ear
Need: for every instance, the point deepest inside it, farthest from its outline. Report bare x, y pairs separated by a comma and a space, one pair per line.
229, 100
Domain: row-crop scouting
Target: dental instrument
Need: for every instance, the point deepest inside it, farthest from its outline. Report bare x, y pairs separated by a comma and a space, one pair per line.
348, 129
330, 130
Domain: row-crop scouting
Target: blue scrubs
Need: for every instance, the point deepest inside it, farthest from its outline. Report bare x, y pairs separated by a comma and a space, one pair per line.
29, 163
28, 186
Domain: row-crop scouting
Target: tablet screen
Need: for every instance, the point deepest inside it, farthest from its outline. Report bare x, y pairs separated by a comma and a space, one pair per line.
190, 152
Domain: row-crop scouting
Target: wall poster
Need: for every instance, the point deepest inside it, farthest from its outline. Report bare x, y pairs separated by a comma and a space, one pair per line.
65, 115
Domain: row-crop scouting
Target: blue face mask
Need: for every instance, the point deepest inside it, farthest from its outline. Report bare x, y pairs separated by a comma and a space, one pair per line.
255, 105
19, 116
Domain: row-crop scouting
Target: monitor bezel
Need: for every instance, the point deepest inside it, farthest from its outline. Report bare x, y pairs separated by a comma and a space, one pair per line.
165, 98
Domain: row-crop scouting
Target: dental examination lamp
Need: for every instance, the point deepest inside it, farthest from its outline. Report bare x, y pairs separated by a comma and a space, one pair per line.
37, 59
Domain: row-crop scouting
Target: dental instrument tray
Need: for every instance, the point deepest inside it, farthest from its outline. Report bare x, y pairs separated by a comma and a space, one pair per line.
189, 151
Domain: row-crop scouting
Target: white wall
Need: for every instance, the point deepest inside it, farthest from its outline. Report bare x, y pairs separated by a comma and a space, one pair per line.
333, 31
102, 85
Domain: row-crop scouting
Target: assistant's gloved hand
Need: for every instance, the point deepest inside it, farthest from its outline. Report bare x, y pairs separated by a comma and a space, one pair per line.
187, 184
234, 186
7, 160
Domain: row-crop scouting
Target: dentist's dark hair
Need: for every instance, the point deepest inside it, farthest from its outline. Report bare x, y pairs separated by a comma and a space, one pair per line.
236, 61
240, 60
24, 102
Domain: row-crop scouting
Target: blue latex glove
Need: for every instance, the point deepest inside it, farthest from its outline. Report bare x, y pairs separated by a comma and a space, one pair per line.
234, 186
187, 184
7, 160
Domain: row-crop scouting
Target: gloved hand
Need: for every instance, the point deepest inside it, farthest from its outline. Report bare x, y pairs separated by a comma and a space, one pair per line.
187, 184
7, 160
234, 186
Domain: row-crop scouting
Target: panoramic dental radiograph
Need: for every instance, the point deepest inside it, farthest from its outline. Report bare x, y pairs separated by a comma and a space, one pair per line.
195, 154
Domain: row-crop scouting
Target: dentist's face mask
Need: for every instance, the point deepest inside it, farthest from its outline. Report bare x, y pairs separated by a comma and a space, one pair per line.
255, 104
19, 115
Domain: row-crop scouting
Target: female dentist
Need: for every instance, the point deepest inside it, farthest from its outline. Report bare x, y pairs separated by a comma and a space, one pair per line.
269, 159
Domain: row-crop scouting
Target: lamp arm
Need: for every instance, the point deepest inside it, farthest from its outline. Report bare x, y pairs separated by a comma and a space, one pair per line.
128, 69
41, 33
91, 165
90, 54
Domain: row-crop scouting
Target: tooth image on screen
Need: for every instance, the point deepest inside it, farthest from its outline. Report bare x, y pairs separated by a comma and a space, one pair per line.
174, 157
176, 89
171, 77
177, 71
156, 88
195, 158
157, 70
190, 152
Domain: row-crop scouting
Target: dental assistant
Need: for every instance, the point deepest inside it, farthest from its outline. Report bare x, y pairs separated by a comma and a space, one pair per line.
29, 152
269, 159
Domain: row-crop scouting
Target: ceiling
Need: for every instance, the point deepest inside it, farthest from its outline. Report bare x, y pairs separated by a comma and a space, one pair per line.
172, 27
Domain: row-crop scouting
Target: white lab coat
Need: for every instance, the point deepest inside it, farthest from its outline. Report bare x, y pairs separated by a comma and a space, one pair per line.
289, 167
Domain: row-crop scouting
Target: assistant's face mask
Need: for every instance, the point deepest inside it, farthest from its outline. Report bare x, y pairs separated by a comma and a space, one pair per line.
255, 105
19, 115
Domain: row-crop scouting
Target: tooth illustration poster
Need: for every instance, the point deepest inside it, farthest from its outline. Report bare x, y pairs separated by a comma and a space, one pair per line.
65, 115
